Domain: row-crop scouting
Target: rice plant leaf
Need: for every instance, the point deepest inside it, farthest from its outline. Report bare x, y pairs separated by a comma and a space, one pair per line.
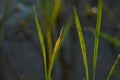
113, 67
41, 41
66, 29
82, 43
56, 9
58, 45
99, 14
113, 40
55, 12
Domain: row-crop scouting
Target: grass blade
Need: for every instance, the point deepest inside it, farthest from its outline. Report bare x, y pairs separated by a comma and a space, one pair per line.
66, 29
56, 9
82, 43
99, 14
41, 42
58, 45
113, 67
113, 40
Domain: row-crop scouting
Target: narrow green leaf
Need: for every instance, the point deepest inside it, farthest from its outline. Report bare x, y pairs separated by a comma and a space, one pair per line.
99, 14
58, 45
113, 40
55, 12
82, 43
56, 9
41, 41
66, 29
113, 67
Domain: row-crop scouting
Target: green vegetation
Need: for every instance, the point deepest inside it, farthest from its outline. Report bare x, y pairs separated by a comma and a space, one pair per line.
82, 43
99, 14
113, 67
49, 23
112, 40
41, 42
48, 11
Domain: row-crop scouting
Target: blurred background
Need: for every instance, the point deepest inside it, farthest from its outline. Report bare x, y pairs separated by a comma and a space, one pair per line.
20, 50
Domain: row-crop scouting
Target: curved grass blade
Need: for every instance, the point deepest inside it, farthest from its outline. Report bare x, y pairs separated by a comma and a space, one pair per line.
113, 67
58, 45
66, 29
82, 43
113, 40
97, 32
41, 41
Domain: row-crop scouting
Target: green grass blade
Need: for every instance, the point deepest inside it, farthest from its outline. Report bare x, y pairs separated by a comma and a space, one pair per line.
113, 67
58, 45
99, 14
41, 42
66, 29
56, 9
112, 40
82, 43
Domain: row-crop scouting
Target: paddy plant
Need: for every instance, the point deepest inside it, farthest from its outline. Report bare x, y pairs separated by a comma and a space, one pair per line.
82, 43
97, 34
50, 52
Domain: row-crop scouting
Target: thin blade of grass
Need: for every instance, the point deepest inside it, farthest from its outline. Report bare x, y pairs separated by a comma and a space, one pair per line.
55, 50
55, 12
58, 45
56, 9
113, 67
66, 29
99, 14
82, 43
41, 41
113, 40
